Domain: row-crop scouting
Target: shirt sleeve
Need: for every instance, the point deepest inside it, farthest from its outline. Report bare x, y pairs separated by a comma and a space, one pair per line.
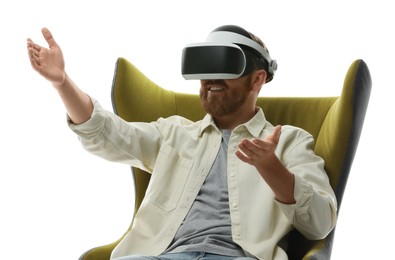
314, 213
110, 137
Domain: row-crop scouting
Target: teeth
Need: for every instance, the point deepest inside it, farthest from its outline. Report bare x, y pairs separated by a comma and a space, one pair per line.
216, 89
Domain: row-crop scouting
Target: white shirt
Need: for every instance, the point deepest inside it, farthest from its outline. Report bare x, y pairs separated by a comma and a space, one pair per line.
179, 154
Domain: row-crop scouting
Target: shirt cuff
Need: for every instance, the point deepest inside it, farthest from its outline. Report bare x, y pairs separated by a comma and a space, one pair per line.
303, 194
92, 127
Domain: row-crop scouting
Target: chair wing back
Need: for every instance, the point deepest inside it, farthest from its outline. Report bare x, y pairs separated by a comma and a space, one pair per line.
336, 143
339, 135
335, 123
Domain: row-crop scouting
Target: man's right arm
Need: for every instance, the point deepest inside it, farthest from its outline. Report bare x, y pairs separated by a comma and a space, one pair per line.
49, 63
78, 104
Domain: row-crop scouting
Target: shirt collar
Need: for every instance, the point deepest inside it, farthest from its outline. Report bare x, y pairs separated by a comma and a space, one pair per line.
254, 126
207, 121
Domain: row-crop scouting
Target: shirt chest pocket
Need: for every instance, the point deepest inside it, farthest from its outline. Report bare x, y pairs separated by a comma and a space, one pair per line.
168, 179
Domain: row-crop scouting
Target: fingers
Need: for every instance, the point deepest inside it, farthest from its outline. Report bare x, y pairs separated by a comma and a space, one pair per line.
48, 37
257, 149
34, 53
247, 147
35, 49
248, 151
270, 140
243, 157
275, 136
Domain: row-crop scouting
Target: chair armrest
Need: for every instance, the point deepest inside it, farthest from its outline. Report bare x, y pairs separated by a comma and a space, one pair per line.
321, 250
99, 253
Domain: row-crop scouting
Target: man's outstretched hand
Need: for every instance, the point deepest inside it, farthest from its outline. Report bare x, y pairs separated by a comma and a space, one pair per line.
259, 152
48, 62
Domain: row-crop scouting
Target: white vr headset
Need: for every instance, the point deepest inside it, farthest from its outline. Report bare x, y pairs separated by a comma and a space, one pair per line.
221, 57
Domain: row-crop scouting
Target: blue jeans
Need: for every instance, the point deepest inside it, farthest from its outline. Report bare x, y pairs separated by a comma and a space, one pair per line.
184, 256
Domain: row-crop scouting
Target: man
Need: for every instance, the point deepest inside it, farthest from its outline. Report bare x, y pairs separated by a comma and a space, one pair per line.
230, 186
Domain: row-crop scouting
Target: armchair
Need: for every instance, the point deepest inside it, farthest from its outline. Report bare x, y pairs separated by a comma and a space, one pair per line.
335, 123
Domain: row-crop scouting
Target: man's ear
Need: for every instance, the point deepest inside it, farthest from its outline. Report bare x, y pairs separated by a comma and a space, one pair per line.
259, 77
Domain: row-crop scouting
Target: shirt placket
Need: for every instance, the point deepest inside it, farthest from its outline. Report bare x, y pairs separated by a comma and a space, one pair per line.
234, 202
195, 183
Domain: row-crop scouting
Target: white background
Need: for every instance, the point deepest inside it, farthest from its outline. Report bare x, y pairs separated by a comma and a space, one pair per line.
58, 201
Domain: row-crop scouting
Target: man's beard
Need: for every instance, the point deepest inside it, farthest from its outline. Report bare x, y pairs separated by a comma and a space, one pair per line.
230, 102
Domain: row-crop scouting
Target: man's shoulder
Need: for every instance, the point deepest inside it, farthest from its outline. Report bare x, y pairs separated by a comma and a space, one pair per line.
295, 133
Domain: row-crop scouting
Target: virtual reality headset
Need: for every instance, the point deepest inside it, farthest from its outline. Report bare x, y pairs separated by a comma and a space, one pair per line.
224, 55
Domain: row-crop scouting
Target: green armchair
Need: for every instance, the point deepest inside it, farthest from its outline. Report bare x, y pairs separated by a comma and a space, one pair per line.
335, 122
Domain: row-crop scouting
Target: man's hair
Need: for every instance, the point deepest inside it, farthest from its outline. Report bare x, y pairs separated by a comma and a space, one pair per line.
260, 58
258, 61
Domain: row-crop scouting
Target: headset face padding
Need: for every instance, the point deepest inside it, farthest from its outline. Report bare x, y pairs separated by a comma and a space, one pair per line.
221, 57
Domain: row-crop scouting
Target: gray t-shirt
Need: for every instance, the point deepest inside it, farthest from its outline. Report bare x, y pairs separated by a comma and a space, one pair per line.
207, 227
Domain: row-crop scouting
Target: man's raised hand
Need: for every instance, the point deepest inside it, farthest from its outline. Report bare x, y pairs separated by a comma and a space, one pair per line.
48, 62
259, 152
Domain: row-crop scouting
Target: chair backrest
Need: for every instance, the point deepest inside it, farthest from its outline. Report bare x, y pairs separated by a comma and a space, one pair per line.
335, 123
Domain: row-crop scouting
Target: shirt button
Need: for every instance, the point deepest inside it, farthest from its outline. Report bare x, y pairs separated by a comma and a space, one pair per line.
235, 204
232, 174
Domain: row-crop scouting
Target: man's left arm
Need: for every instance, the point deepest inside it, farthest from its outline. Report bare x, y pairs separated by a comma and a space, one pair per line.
260, 153
303, 191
